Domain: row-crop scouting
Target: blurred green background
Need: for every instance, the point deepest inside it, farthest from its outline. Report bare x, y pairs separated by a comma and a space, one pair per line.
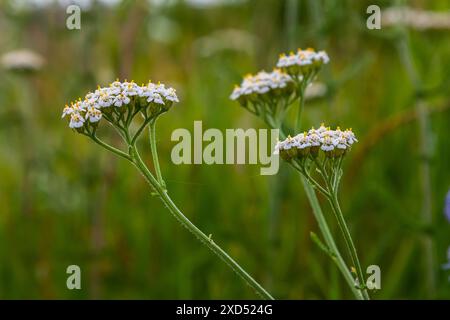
64, 200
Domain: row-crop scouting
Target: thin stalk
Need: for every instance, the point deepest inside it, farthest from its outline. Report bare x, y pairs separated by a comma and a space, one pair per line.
207, 241
110, 148
308, 177
329, 240
349, 241
332, 198
291, 18
154, 150
138, 132
301, 105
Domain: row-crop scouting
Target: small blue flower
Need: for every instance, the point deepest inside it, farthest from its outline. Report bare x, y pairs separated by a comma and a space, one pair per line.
447, 206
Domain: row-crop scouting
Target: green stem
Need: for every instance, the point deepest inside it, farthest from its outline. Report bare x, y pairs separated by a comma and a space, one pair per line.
348, 240
154, 150
301, 105
207, 241
325, 230
138, 132
310, 179
332, 198
110, 148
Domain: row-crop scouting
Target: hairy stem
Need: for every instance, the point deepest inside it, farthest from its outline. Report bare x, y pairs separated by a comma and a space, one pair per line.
110, 148
184, 221
139, 131
301, 105
348, 240
333, 199
329, 240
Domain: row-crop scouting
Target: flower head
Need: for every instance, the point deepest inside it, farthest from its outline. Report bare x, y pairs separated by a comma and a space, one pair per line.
332, 143
254, 87
151, 100
302, 61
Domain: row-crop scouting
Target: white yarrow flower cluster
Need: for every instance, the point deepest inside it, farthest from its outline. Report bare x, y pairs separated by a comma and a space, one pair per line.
303, 58
332, 142
261, 83
117, 95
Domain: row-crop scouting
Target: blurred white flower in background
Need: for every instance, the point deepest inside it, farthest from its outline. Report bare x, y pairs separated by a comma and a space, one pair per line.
21, 5
42, 4
83, 4
163, 29
22, 59
201, 4
316, 90
415, 18
227, 39
212, 3
31, 4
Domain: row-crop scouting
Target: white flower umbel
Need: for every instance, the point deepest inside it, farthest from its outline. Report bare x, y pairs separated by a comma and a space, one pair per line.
254, 86
302, 62
332, 143
118, 103
266, 94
